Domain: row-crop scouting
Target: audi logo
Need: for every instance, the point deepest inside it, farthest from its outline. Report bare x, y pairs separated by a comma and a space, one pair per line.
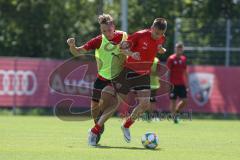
17, 82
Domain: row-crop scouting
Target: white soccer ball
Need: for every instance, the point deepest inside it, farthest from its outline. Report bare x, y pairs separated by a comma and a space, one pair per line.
150, 140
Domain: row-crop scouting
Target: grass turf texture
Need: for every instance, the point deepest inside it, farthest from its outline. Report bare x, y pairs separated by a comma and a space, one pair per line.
48, 138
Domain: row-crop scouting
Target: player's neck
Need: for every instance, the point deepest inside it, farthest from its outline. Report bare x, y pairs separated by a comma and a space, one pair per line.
110, 38
153, 37
178, 55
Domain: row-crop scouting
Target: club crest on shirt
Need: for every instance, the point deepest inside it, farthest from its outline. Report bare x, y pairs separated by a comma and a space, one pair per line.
201, 85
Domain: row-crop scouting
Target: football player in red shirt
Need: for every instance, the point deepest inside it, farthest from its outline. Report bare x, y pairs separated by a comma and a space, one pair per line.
178, 75
136, 73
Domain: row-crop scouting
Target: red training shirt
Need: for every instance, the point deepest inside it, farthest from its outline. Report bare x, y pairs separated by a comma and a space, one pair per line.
147, 47
177, 67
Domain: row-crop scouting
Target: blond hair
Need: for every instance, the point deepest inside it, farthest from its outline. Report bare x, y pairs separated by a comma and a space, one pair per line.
105, 19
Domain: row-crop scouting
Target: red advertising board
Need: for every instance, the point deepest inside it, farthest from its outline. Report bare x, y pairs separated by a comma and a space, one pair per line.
211, 90
24, 82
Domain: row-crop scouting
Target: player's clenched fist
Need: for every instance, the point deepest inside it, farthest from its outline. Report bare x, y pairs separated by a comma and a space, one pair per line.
71, 42
125, 45
161, 49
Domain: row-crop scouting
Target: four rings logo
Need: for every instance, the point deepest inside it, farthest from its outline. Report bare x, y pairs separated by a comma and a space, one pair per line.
17, 82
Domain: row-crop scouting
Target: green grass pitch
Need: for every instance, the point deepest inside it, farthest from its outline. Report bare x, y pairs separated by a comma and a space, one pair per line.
48, 138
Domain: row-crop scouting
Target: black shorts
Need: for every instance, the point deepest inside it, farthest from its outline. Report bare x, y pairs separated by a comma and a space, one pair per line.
130, 80
178, 91
99, 84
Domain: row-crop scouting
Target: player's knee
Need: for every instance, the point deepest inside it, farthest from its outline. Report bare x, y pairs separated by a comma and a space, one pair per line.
110, 102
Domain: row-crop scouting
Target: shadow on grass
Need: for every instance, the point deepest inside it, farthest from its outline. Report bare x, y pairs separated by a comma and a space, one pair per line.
131, 148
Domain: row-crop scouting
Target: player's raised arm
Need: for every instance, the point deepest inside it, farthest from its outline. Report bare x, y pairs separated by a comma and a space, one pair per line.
125, 49
73, 49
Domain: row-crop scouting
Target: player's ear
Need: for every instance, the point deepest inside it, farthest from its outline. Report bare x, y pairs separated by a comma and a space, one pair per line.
100, 28
151, 28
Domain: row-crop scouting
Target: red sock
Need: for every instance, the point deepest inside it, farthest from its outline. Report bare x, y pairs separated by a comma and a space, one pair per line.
96, 129
128, 122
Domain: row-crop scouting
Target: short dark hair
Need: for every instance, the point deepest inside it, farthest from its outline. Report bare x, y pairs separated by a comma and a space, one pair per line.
160, 23
179, 45
105, 19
